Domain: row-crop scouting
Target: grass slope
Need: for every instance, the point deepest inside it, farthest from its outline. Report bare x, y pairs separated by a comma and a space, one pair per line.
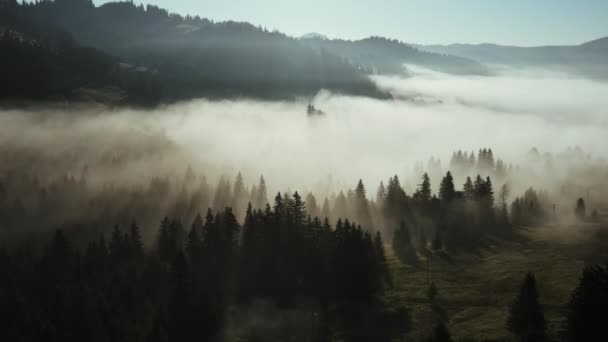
475, 289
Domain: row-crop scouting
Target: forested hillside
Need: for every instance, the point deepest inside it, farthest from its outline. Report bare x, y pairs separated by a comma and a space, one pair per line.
163, 57
387, 56
152, 56
167, 177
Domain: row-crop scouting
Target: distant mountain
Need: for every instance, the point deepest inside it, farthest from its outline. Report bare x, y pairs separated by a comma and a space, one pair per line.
589, 59
597, 45
387, 56
314, 35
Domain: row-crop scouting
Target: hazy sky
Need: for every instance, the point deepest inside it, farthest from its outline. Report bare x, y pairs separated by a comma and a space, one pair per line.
511, 22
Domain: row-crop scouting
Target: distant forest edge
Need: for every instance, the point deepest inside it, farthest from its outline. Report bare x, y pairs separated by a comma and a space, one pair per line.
123, 53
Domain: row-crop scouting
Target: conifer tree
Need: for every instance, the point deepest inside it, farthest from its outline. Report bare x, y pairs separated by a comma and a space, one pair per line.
381, 257
362, 211
580, 210
222, 196
586, 318
488, 192
447, 191
117, 244
424, 191
194, 246
102, 247
469, 189
262, 196
478, 188
526, 319
208, 226
440, 334
380, 195
298, 209
253, 196
341, 206
472, 160
437, 242
396, 200
136, 245
402, 244
239, 197
503, 211
279, 207
325, 211
312, 206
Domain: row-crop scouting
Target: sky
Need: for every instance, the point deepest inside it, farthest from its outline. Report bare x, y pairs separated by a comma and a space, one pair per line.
506, 22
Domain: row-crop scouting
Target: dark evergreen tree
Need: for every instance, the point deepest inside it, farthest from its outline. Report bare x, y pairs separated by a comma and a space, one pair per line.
382, 262
586, 318
526, 319
396, 201
194, 246
469, 189
529, 209
118, 245
312, 206
262, 198
239, 197
297, 209
325, 211
580, 210
424, 190
503, 212
440, 334
222, 195
447, 191
487, 211
340, 208
362, 211
380, 195
437, 242
136, 244
402, 244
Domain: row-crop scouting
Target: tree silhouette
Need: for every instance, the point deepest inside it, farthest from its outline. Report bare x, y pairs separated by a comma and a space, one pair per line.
402, 244
586, 318
424, 191
362, 206
469, 190
440, 334
580, 210
381, 257
447, 191
526, 319
136, 245
239, 197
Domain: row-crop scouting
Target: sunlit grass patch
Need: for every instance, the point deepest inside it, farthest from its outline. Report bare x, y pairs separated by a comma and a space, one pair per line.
476, 289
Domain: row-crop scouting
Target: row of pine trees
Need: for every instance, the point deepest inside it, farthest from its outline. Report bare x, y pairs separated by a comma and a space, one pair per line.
194, 282
188, 285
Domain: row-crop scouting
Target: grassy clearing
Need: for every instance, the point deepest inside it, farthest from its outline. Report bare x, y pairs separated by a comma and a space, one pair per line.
475, 289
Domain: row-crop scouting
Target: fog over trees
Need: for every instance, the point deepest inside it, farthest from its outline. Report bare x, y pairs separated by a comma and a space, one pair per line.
169, 177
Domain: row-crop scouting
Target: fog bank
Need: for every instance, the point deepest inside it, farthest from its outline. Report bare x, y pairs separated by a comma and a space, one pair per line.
432, 115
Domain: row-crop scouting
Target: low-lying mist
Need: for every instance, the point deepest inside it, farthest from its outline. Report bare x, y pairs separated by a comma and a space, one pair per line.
432, 115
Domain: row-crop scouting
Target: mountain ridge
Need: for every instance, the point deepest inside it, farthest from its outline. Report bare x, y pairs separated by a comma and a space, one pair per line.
587, 59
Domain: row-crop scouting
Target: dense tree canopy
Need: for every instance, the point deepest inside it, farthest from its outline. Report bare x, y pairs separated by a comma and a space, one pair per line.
159, 56
182, 259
